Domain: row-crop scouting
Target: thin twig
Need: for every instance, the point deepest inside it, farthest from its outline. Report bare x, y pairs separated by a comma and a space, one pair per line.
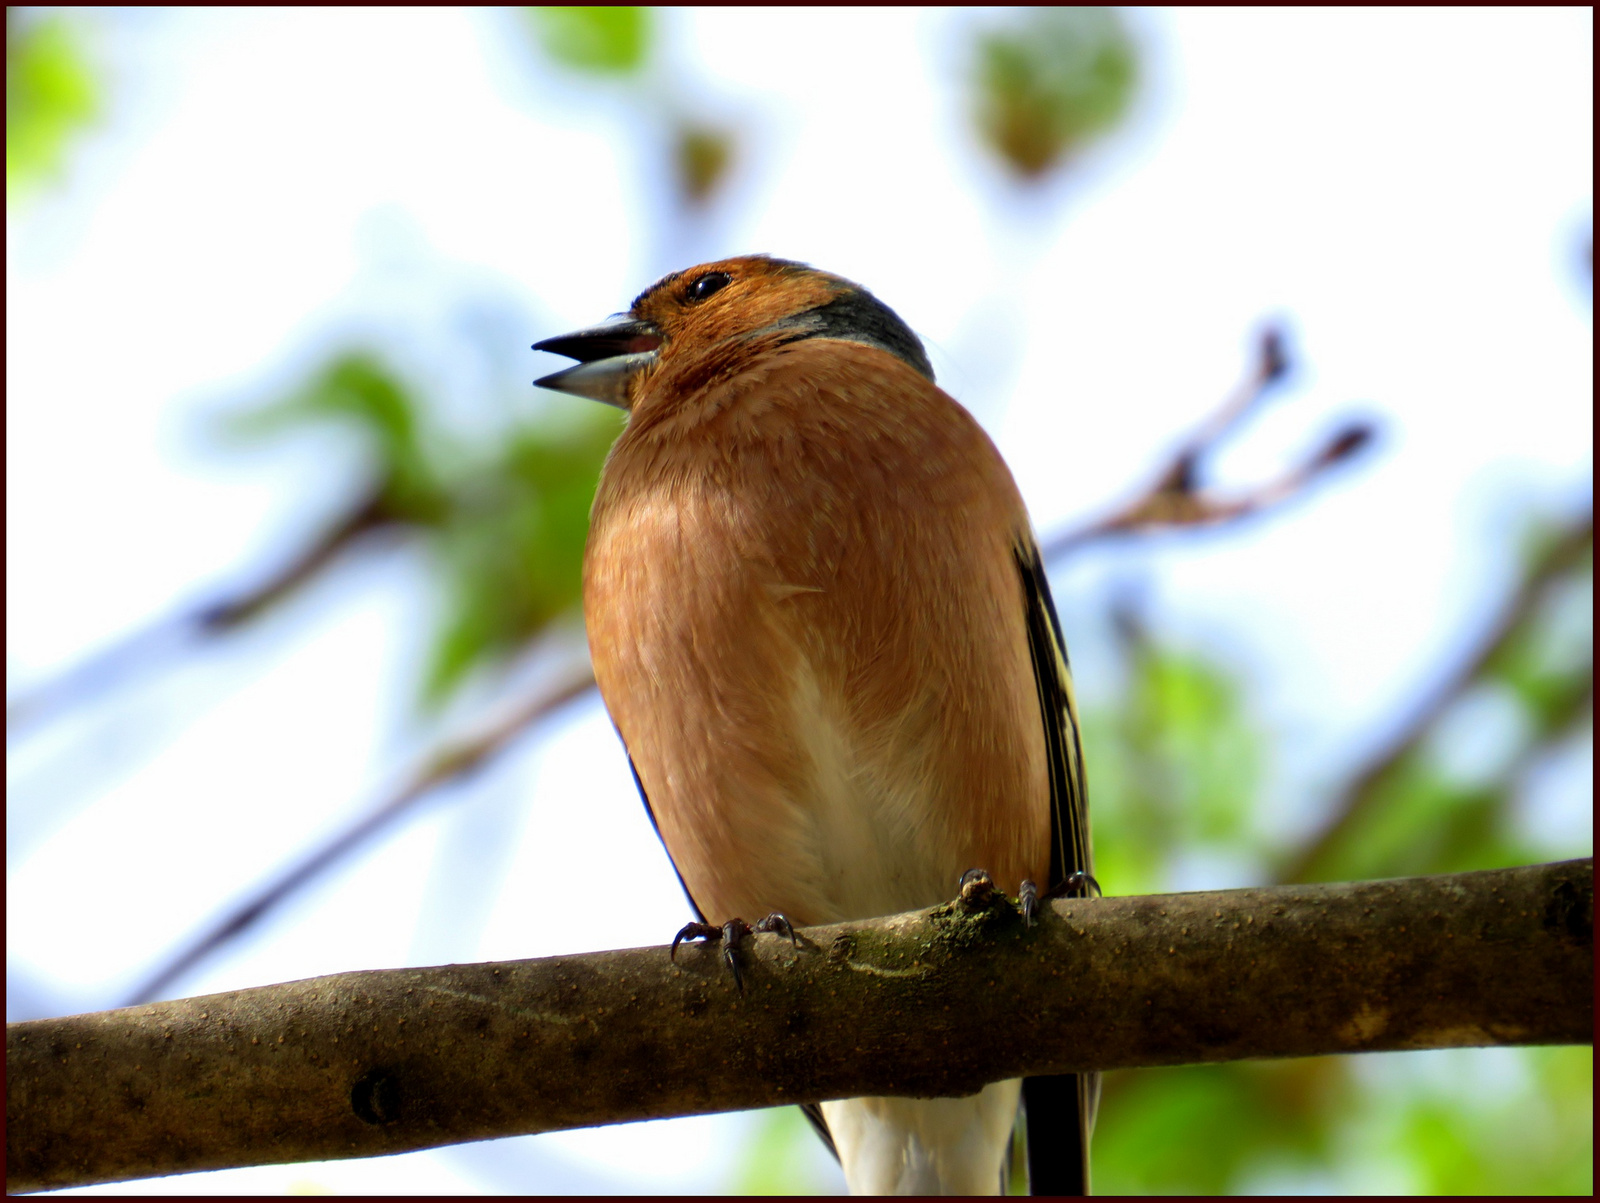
221, 617
147, 648
453, 762
1365, 788
1175, 499
1270, 367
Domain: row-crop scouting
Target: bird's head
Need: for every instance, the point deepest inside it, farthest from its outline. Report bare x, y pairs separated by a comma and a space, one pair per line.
729, 307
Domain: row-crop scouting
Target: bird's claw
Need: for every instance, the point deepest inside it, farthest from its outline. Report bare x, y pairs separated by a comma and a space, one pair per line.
780, 925
1077, 885
732, 934
693, 931
976, 887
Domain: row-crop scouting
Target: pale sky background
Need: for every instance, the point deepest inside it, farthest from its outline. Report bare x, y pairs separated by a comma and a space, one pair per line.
1409, 189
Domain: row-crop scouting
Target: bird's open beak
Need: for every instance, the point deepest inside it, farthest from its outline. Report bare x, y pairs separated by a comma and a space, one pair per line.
609, 356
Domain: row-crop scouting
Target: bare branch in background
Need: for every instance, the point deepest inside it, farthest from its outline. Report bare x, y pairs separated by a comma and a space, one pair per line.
452, 763
1176, 500
224, 616
1367, 786
147, 649
362, 1064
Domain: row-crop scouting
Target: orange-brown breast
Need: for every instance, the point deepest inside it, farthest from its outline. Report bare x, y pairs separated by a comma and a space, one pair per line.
807, 624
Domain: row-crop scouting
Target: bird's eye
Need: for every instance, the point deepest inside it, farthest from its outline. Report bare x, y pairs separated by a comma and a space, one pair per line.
703, 286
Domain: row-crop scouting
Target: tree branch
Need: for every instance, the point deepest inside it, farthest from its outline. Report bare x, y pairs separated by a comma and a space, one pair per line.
1175, 499
453, 762
361, 1064
104, 670
1172, 501
1367, 787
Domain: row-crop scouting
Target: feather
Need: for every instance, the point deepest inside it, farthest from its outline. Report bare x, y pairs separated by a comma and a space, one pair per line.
1058, 1109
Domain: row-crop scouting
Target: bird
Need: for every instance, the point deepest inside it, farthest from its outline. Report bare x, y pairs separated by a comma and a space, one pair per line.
820, 623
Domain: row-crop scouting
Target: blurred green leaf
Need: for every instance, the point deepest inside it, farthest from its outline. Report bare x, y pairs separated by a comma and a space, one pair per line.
1201, 1129
1549, 662
702, 155
360, 392
598, 40
1525, 1134
1422, 822
1407, 812
780, 1158
1175, 765
513, 548
1050, 82
51, 95
505, 519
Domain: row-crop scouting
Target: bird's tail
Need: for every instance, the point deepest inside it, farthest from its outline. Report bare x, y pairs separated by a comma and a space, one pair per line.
1059, 1112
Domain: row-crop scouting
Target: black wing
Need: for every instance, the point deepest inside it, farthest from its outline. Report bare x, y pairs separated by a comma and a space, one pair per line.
1059, 1109
1058, 704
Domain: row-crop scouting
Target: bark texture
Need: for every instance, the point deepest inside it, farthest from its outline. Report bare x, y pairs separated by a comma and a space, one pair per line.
937, 1002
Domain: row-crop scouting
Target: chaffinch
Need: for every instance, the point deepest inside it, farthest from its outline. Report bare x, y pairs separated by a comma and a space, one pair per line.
819, 620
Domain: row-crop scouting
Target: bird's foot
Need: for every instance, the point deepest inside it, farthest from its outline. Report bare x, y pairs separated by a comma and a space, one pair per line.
1076, 885
732, 934
1028, 901
976, 887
